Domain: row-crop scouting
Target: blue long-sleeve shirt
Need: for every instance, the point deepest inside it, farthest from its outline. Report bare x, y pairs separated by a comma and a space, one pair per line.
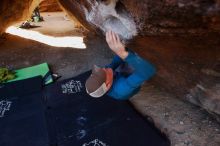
124, 87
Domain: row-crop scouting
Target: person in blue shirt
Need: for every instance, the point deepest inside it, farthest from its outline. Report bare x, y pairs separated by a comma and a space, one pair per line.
123, 77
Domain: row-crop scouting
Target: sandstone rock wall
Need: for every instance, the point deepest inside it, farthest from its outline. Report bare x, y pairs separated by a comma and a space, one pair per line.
148, 17
151, 17
49, 6
175, 16
188, 67
14, 10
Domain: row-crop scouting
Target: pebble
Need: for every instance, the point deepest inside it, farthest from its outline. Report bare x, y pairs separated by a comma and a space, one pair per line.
181, 123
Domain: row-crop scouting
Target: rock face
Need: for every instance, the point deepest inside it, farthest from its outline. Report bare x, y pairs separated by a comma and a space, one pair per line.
187, 67
13, 11
190, 71
152, 17
49, 6
129, 18
175, 16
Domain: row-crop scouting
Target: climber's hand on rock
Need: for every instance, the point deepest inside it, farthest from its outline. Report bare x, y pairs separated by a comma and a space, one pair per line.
115, 44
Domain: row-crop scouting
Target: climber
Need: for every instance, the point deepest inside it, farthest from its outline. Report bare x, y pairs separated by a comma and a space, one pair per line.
123, 77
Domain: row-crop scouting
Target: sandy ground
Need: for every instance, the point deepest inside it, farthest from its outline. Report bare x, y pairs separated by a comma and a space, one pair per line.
184, 123
56, 24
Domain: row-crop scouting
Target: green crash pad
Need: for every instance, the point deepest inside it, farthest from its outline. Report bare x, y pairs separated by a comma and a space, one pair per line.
33, 71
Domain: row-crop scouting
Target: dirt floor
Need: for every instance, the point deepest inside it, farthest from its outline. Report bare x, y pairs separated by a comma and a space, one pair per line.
57, 24
184, 123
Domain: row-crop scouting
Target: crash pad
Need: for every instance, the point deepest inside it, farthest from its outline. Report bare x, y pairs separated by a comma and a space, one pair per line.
78, 119
63, 114
22, 119
28, 72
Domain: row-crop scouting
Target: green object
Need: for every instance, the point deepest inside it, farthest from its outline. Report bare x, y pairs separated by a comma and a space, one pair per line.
36, 19
6, 75
33, 71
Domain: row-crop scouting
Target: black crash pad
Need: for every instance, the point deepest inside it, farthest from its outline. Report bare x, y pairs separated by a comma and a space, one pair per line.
62, 114
22, 118
81, 120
